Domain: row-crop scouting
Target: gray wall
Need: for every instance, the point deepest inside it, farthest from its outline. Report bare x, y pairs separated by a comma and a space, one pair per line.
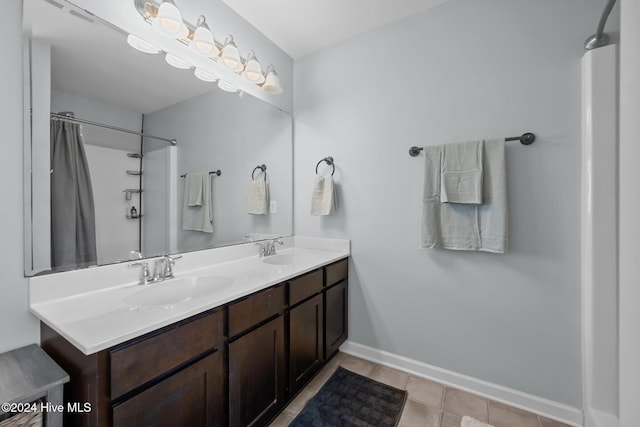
17, 326
463, 70
220, 130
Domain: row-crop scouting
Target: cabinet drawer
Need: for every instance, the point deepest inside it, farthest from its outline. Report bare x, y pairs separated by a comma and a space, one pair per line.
256, 308
337, 271
305, 286
191, 397
136, 364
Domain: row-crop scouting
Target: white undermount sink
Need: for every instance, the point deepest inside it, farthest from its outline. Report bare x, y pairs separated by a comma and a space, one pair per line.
174, 291
280, 259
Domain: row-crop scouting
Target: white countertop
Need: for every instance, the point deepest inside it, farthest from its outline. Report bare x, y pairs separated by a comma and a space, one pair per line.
91, 312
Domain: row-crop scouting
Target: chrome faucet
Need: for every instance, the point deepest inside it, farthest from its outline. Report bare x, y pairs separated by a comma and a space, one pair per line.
145, 274
268, 247
162, 269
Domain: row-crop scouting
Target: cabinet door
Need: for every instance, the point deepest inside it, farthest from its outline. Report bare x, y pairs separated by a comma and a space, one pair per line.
305, 342
257, 375
336, 317
191, 397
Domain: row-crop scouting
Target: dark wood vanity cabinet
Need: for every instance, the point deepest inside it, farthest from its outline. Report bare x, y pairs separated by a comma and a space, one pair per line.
236, 365
173, 376
336, 307
257, 358
306, 328
257, 376
191, 397
305, 342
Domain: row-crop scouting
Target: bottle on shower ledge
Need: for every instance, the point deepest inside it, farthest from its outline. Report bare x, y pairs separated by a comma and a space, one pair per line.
134, 212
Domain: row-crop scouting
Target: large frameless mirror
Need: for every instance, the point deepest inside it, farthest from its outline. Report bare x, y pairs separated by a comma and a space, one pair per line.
104, 179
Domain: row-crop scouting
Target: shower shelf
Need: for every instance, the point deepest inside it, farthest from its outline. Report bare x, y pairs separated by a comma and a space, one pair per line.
134, 172
134, 155
132, 190
134, 217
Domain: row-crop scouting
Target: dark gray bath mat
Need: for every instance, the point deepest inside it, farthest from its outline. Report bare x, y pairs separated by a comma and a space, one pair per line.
348, 399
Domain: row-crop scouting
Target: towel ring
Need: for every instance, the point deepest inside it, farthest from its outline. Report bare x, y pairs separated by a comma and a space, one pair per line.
329, 161
263, 168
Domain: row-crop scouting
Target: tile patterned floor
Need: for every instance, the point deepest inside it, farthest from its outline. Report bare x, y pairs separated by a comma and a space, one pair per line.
429, 404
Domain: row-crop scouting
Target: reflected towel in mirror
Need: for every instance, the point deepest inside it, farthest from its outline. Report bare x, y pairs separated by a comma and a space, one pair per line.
197, 217
258, 197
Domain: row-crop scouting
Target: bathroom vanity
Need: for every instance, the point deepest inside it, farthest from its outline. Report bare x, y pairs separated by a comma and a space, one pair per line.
237, 363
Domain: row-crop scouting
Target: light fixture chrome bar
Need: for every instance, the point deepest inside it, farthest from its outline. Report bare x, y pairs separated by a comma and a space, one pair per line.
102, 125
148, 8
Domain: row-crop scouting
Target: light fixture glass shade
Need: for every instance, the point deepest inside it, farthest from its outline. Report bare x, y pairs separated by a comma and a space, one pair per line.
174, 61
205, 75
231, 55
142, 45
252, 70
272, 82
203, 42
169, 21
226, 86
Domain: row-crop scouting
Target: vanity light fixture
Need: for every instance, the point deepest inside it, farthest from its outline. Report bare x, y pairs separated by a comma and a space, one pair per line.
231, 55
203, 42
252, 70
272, 82
165, 17
176, 62
205, 76
226, 86
169, 21
142, 45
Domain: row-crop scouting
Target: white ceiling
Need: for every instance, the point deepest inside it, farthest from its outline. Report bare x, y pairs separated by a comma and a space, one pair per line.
300, 27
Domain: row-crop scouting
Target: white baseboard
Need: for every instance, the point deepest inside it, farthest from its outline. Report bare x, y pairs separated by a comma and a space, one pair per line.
528, 402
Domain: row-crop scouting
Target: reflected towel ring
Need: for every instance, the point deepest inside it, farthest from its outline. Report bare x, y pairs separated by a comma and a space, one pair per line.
263, 168
329, 161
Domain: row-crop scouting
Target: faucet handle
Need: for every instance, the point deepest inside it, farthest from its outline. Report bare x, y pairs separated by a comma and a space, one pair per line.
170, 262
144, 277
263, 247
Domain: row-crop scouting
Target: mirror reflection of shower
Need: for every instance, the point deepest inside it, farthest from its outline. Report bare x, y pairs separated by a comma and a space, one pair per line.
114, 205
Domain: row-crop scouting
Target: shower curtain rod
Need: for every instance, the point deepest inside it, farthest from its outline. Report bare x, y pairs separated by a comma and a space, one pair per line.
89, 122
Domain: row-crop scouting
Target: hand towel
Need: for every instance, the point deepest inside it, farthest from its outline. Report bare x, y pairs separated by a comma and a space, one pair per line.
258, 197
461, 173
193, 187
472, 422
198, 217
323, 196
466, 226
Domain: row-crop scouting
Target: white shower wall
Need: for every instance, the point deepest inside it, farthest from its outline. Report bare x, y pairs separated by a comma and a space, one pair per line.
108, 162
599, 255
115, 234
